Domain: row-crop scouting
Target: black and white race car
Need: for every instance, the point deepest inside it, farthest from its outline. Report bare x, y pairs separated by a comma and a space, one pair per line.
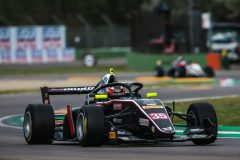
114, 113
181, 68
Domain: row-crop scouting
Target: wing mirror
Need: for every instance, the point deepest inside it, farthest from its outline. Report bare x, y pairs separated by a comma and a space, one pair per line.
151, 95
101, 96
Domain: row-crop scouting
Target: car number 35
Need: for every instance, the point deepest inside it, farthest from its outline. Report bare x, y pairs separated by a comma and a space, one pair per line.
156, 116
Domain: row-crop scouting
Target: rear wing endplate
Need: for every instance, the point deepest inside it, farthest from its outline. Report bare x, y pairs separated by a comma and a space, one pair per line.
46, 92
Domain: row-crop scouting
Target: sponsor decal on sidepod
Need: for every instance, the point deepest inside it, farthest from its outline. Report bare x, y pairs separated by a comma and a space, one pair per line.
143, 122
117, 106
167, 129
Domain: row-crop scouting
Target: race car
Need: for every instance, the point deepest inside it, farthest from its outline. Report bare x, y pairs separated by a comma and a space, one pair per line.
181, 68
115, 113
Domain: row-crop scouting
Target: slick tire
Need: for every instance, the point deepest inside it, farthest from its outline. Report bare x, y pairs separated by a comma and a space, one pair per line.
39, 124
171, 72
159, 71
196, 114
209, 71
180, 72
90, 126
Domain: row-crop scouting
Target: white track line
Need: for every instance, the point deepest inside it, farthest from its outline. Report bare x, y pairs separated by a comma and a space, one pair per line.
219, 132
7, 117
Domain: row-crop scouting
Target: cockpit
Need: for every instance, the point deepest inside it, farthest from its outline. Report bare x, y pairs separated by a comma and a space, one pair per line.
112, 89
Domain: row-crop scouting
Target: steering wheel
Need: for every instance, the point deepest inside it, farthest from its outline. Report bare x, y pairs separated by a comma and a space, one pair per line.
113, 85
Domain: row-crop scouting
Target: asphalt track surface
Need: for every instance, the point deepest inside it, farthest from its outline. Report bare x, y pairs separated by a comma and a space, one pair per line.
13, 146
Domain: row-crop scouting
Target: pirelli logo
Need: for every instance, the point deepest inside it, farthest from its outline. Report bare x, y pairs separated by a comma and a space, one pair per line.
151, 107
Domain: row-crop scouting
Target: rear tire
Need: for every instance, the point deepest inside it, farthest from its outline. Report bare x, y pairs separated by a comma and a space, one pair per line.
171, 72
90, 126
39, 124
209, 71
159, 71
196, 114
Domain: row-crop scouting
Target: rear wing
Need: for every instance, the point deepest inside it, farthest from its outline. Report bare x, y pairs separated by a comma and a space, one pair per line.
46, 92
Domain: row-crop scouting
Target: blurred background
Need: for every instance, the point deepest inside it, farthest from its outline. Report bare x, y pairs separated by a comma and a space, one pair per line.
43, 31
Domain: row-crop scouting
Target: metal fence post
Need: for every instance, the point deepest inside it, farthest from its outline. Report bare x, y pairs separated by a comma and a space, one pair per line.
56, 19
111, 25
87, 27
30, 20
4, 20
190, 25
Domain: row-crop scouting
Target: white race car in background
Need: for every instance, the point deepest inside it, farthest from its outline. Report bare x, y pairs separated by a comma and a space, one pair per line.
181, 68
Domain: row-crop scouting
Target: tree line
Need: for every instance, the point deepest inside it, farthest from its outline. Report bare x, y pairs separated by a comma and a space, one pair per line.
22, 12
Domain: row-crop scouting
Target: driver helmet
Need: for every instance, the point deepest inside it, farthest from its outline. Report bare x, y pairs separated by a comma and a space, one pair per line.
181, 62
180, 58
115, 92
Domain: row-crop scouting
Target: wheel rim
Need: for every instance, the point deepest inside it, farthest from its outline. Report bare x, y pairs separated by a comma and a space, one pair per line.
27, 125
192, 120
80, 126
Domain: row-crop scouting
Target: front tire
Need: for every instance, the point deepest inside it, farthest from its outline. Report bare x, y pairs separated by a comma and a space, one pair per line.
38, 124
180, 72
90, 126
196, 115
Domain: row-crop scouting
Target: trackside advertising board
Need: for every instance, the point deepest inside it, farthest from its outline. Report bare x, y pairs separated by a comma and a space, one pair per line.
5, 45
34, 44
53, 37
26, 38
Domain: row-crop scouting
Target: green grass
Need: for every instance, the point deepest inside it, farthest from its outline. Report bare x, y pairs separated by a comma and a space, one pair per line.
227, 109
58, 69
